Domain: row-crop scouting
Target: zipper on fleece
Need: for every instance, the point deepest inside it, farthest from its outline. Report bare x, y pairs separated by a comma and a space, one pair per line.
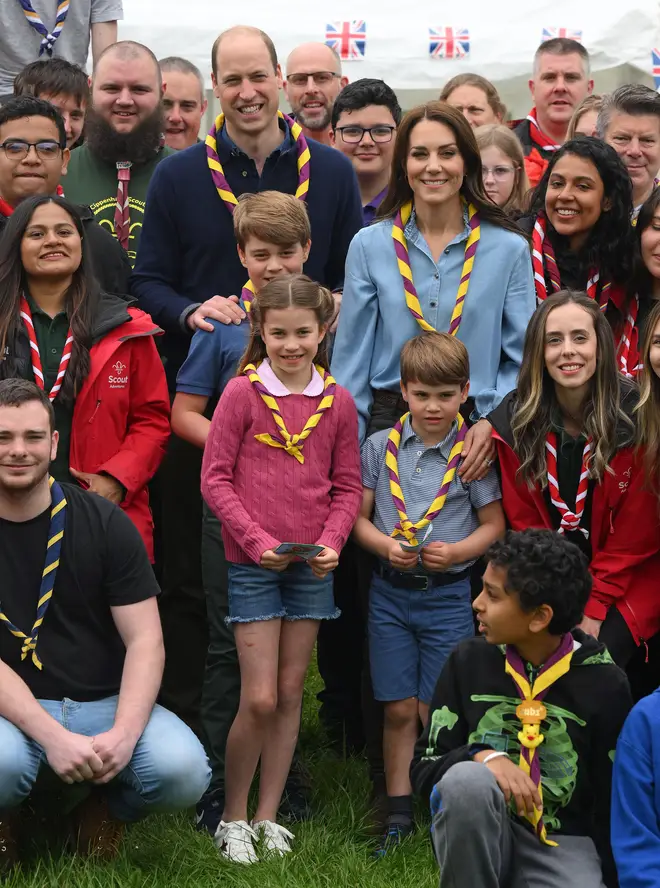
96, 410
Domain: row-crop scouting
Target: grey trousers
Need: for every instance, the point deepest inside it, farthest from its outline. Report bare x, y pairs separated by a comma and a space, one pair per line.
477, 843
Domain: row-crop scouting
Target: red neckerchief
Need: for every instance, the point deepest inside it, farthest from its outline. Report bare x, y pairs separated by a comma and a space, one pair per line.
537, 135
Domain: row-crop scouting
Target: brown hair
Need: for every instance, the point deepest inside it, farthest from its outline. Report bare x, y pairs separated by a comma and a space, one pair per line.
242, 29
288, 291
272, 216
15, 392
590, 103
435, 359
492, 96
502, 137
472, 189
648, 409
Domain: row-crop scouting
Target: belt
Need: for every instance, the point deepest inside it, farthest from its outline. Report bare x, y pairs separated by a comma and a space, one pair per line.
401, 579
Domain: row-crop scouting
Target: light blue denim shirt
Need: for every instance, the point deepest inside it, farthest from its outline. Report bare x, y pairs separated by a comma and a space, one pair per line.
375, 321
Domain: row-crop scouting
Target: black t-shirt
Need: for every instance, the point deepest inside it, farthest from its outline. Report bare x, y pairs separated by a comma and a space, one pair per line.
103, 564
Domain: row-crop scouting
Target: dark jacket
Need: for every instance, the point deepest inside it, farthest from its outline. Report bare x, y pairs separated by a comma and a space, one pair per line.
111, 265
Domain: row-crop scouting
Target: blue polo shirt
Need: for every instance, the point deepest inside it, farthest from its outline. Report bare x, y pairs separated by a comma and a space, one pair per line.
213, 359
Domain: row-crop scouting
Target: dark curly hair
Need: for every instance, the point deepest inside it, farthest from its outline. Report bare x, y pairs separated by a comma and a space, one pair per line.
609, 247
543, 567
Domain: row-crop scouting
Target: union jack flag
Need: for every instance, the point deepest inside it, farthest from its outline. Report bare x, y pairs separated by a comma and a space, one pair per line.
348, 39
570, 33
655, 56
449, 43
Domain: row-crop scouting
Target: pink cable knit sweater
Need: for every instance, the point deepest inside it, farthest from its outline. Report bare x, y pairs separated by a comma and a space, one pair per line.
262, 495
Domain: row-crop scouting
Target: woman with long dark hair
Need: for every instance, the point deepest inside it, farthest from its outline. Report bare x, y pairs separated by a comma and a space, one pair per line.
581, 233
91, 351
442, 257
569, 462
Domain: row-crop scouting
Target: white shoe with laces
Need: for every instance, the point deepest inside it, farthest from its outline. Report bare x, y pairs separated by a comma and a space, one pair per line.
275, 838
235, 841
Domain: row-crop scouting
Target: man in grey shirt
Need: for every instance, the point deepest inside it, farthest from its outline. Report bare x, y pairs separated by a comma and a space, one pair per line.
21, 40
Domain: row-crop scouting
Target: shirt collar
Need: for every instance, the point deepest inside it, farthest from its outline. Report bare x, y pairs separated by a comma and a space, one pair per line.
285, 144
408, 436
35, 309
277, 389
412, 229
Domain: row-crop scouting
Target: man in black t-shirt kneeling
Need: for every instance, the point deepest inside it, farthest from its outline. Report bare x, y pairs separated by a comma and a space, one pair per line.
81, 650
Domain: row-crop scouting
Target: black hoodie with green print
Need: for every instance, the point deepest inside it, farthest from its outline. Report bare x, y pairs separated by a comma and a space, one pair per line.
474, 707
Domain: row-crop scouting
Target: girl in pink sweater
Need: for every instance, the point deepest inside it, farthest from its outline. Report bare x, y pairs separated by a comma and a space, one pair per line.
281, 465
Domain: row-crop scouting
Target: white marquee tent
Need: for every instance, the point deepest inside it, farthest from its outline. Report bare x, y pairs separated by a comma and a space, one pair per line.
495, 38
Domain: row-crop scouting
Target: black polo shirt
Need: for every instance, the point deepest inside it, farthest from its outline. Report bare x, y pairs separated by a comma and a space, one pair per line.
103, 564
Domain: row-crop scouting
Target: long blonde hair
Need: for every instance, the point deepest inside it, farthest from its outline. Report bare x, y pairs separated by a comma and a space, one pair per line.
505, 140
287, 291
648, 408
537, 401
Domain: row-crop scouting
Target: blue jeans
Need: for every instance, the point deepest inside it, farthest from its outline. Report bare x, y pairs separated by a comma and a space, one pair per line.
256, 593
168, 771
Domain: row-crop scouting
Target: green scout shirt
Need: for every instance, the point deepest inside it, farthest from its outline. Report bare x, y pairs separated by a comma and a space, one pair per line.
93, 183
51, 337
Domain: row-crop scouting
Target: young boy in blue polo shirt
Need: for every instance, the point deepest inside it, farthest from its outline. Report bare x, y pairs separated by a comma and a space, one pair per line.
273, 237
427, 528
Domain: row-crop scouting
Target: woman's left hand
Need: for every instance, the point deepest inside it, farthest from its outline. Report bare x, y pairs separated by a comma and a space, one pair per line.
591, 627
104, 485
478, 452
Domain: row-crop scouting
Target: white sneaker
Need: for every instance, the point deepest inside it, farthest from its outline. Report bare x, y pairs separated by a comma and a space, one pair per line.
275, 838
235, 841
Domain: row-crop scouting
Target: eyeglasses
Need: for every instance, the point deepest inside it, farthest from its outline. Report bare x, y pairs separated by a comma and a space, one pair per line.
320, 78
499, 173
354, 134
18, 149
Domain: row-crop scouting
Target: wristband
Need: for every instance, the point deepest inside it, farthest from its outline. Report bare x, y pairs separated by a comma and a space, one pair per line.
491, 756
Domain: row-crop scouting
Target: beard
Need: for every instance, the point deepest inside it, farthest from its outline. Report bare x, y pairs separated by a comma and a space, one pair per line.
316, 124
138, 146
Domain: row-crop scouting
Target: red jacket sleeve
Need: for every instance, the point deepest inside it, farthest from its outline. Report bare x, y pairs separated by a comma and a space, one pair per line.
148, 432
523, 507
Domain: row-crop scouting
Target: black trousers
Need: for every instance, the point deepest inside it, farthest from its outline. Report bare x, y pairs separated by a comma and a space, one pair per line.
641, 663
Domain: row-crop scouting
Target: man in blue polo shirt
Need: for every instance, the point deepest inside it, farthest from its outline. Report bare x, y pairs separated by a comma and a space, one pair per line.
188, 258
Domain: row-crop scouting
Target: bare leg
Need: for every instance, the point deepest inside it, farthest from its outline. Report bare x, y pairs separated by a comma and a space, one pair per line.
399, 736
297, 639
424, 713
258, 650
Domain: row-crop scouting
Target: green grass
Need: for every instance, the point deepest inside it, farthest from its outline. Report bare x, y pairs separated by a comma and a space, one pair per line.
331, 851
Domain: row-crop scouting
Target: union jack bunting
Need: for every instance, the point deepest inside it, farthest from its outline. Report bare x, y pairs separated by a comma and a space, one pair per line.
655, 57
348, 39
570, 33
449, 43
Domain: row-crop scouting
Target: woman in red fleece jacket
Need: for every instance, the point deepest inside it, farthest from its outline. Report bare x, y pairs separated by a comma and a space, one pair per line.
92, 352
281, 465
566, 445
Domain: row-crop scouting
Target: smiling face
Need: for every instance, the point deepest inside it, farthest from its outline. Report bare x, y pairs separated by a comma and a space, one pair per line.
571, 347
559, 85
183, 107
27, 446
433, 408
636, 139
434, 166
292, 337
246, 83
575, 198
369, 158
73, 113
51, 245
36, 173
473, 104
311, 99
125, 91
650, 246
265, 260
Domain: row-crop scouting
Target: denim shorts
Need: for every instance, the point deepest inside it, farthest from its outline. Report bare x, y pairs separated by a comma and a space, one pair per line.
256, 593
411, 634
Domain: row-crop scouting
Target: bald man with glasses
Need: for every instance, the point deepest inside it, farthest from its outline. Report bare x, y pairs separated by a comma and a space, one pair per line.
313, 82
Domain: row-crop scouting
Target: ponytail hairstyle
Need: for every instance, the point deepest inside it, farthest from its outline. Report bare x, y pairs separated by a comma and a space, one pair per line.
288, 291
537, 402
80, 301
648, 408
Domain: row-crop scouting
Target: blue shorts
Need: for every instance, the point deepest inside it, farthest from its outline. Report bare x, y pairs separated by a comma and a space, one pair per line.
256, 593
411, 634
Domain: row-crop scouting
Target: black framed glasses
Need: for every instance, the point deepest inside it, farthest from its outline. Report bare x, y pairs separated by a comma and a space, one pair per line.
18, 149
354, 134
320, 78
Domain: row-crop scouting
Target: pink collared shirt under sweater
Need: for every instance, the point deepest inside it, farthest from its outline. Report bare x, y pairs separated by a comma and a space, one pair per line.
262, 495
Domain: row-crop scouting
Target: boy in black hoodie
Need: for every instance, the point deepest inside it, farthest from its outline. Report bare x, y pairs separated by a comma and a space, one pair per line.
517, 754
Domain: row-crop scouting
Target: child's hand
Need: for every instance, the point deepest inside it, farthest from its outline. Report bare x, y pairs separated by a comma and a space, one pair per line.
325, 562
400, 559
514, 783
272, 561
438, 556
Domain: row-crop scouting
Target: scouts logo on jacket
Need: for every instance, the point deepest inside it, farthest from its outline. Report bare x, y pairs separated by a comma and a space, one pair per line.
120, 380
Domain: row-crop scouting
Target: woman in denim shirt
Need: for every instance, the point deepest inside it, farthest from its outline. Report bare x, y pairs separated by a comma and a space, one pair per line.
435, 188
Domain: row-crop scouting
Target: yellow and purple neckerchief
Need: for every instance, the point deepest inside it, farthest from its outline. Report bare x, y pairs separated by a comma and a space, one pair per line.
224, 189
531, 713
403, 260
405, 526
291, 443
